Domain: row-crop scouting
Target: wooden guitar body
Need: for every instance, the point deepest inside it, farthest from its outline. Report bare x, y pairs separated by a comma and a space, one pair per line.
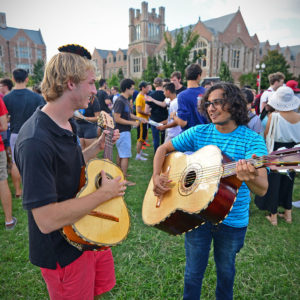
198, 192
111, 226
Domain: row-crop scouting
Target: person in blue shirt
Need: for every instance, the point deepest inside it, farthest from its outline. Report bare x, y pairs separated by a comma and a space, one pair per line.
189, 100
226, 108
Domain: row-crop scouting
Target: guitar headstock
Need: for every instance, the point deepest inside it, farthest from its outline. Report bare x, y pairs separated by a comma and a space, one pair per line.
284, 159
105, 121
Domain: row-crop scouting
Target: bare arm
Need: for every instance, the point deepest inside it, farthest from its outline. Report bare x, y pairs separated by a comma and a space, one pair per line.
120, 120
93, 119
255, 179
268, 125
159, 103
180, 122
160, 181
3, 123
57, 215
142, 112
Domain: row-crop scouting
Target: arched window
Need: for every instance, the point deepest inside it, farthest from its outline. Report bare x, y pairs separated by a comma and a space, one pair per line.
200, 50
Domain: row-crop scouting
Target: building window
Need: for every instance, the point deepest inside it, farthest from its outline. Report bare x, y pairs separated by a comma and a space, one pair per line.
136, 65
119, 57
109, 60
22, 39
238, 28
235, 62
137, 32
1, 51
2, 67
23, 52
39, 54
200, 51
153, 31
125, 57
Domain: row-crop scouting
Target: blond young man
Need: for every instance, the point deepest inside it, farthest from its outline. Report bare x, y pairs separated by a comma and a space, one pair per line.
276, 80
49, 157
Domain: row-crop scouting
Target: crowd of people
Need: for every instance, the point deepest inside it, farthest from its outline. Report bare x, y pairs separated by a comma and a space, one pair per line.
48, 139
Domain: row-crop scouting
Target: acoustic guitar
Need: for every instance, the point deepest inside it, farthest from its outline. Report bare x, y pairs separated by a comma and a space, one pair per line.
203, 188
108, 224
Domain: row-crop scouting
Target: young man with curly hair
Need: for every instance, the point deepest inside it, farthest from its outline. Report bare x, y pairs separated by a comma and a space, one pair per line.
226, 108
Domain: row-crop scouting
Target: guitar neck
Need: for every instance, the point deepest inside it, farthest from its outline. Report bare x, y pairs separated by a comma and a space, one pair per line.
277, 160
108, 148
230, 168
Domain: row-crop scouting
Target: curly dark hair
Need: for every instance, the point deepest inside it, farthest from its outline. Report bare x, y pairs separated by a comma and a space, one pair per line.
235, 102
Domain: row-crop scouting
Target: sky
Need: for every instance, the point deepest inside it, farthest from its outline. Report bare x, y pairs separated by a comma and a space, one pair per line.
104, 24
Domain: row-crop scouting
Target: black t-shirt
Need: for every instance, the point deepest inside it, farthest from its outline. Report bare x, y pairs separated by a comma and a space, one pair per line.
122, 107
21, 104
180, 90
158, 113
101, 96
49, 159
89, 111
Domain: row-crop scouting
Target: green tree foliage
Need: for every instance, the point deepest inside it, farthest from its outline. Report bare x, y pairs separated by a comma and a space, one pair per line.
113, 81
38, 71
120, 74
152, 69
225, 74
178, 51
248, 79
275, 62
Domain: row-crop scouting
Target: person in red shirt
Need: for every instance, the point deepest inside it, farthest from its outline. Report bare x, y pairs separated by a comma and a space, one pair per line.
5, 194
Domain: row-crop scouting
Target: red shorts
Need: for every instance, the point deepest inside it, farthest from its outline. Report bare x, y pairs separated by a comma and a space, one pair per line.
90, 275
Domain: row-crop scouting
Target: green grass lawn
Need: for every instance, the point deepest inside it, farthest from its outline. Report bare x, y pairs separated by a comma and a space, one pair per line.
150, 263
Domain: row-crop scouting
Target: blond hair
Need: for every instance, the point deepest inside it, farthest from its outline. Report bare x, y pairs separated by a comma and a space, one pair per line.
60, 69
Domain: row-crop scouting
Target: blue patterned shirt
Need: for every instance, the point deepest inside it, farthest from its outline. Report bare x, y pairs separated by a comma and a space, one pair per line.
241, 143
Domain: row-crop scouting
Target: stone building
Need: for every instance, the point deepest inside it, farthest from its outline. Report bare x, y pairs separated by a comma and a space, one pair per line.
225, 38
19, 48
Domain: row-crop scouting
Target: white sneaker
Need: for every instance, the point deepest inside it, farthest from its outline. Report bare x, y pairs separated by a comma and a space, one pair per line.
144, 154
140, 157
296, 204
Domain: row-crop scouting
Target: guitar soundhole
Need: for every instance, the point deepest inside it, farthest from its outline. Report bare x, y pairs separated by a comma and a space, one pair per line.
189, 179
98, 180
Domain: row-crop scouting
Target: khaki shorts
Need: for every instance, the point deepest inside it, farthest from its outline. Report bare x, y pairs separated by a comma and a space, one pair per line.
3, 166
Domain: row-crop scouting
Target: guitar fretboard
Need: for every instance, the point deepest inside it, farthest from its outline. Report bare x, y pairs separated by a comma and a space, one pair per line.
108, 148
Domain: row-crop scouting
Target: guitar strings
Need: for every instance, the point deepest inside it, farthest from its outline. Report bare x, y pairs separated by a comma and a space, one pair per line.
228, 169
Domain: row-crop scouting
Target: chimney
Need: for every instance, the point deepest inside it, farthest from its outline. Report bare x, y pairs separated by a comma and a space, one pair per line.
3, 20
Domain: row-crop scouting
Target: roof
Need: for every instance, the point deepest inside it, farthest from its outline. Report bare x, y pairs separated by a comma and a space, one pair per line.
219, 24
215, 25
104, 53
35, 35
293, 49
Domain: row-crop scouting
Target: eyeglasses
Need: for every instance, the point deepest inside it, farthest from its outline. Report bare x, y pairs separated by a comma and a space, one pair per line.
214, 103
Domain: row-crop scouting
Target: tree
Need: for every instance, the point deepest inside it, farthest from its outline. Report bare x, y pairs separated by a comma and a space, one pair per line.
152, 69
248, 79
120, 74
113, 81
225, 74
38, 71
275, 62
178, 51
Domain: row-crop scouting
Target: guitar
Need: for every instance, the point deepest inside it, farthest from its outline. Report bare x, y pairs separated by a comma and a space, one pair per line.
108, 224
204, 187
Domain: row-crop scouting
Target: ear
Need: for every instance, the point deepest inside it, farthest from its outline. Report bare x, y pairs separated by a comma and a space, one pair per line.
71, 85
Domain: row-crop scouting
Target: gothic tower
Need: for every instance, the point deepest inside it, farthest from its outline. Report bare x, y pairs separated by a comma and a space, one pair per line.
146, 29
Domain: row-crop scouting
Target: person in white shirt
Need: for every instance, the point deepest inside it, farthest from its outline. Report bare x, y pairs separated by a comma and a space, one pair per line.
276, 80
172, 128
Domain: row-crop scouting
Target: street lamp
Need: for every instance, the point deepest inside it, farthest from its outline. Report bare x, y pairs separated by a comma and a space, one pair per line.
260, 68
